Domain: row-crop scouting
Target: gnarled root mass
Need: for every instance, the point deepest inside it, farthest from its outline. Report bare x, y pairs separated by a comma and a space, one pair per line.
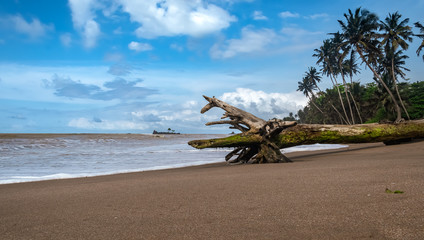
263, 152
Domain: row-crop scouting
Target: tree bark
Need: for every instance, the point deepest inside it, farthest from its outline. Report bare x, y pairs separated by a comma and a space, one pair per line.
346, 93
260, 140
397, 90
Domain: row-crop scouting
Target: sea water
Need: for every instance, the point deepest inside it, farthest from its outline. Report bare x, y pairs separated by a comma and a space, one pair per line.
35, 157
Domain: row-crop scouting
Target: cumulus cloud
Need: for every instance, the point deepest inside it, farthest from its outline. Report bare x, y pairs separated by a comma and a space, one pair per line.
116, 89
98, 124
258, 15
34, 29
288, 14
176, 17
140, 47
251, 41
83, 20
265, 105
90, 33
147, 116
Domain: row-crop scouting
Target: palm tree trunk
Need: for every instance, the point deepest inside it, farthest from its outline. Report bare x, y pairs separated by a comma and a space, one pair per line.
340, 96
346, 93
354, 101
340, 115
312, 101
343, 121
395, 103
397, 90
356, 107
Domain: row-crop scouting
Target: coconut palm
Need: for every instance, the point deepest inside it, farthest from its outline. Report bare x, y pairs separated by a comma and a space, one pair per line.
339, 51
399, 61
394, 64
326, 58
421, 28
313, 76
307, 87
350, 67
396, 33
359, 31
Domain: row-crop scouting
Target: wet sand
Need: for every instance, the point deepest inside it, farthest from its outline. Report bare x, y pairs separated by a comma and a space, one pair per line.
333, 194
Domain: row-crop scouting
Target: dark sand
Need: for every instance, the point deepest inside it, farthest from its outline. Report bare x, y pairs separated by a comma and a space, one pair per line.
337, 194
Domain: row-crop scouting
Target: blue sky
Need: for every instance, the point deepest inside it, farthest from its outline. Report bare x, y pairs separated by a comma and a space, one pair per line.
138, 65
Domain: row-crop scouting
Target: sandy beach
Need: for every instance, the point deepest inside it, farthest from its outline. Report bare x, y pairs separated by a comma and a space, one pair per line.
333, 194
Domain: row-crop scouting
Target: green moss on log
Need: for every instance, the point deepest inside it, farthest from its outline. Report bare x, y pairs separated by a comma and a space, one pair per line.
366, 133
237, 140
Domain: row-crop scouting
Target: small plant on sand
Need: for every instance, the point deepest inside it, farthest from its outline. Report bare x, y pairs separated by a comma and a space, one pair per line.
394, 192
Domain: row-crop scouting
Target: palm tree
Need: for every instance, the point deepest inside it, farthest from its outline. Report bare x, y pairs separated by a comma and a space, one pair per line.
395, 34
337, 45
326, 58
421, 27
398, 62
307, 88
350, 67
359, 31
313, 76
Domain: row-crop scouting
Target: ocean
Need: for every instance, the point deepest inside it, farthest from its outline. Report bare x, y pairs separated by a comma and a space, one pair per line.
36, 157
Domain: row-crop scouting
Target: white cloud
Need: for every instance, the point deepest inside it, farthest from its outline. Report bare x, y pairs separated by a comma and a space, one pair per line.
34, 28
251, 41
258, 15
66, 39
176, 17
139, 47
318, 15
83, 20
95, 124
81, 12
265, 105
288, 14
91, 32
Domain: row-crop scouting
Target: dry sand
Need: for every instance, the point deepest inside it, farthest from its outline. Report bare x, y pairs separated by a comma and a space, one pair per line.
337, 194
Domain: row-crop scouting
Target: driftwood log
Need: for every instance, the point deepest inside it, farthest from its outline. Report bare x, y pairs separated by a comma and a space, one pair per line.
260, 141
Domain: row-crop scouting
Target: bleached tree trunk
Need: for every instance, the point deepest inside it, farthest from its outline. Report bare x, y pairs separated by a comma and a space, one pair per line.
260, 140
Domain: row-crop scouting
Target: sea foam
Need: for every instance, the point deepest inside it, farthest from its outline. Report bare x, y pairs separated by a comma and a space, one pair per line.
46, 157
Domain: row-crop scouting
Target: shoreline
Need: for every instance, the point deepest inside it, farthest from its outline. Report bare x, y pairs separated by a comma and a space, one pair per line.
293, 155
327, 194
64, 156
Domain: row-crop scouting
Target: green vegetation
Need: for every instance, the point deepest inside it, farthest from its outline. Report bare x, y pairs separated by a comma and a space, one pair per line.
394, 192
372, 101
380, 45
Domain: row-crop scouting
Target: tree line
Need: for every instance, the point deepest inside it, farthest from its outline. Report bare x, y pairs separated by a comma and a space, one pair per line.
379, 45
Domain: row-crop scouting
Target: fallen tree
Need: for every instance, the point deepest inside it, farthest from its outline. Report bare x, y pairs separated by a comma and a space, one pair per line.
260, 141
